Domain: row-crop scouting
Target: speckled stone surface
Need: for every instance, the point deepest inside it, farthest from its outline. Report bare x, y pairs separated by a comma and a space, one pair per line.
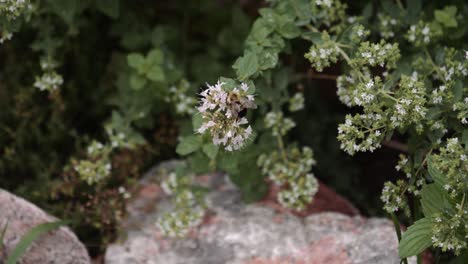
60, 246
236, 233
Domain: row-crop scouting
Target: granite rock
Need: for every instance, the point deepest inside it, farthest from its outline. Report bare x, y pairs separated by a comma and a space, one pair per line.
238, 233
59, 246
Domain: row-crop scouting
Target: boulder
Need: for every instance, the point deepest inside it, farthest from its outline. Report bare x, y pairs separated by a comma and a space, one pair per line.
59, 246
235, 232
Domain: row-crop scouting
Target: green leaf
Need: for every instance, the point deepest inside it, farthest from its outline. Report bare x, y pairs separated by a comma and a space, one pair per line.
457, 90
416, 239
246, 65
289, 30
268, 59
211, 150
69, 9
155, 73
314, 37
432, 199
30, 237
188, 145
229, 83
447, 16
137, 81
110, 8
435, 174
197, 121
465, 139
155, 56
134, 60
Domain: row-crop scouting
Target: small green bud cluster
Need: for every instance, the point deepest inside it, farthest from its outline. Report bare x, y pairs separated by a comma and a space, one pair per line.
329, 13
291, 169
462, 108
452, 162
450, 232
279, 124
189, 207
296, 102
323, 54
393, 197
12, 9
359, 33
50, 79
98, 166
184, 104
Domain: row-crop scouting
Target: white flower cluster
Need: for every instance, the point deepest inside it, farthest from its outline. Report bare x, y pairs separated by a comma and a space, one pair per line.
98, 166
296, 102
324, 3
387, 26
450, 232
361, 132
393, 197
124, 192
421, 34
222, 112
188, 211
347, 85
178, 96
456, 69
382, 54
410, 106
359, 33
322, 56
452, 162
5, 36
12, 9
170, 185
462, 108
294, 172
279, 124
49, 81
180, 222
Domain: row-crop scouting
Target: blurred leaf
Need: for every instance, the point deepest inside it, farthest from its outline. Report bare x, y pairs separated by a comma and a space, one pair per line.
188, 145
134, 60
447, 16
137, 81
211, 150
109, 7
156, 56
155, 73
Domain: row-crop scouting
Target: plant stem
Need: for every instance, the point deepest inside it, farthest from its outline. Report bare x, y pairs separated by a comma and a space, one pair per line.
400, 5
311, 28
345, 56
396, 223
436, 68
281, 148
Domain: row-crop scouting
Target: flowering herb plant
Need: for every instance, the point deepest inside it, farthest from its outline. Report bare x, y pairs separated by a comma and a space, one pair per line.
403, 76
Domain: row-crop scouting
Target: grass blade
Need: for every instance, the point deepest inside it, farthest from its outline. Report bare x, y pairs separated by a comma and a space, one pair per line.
30, 237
